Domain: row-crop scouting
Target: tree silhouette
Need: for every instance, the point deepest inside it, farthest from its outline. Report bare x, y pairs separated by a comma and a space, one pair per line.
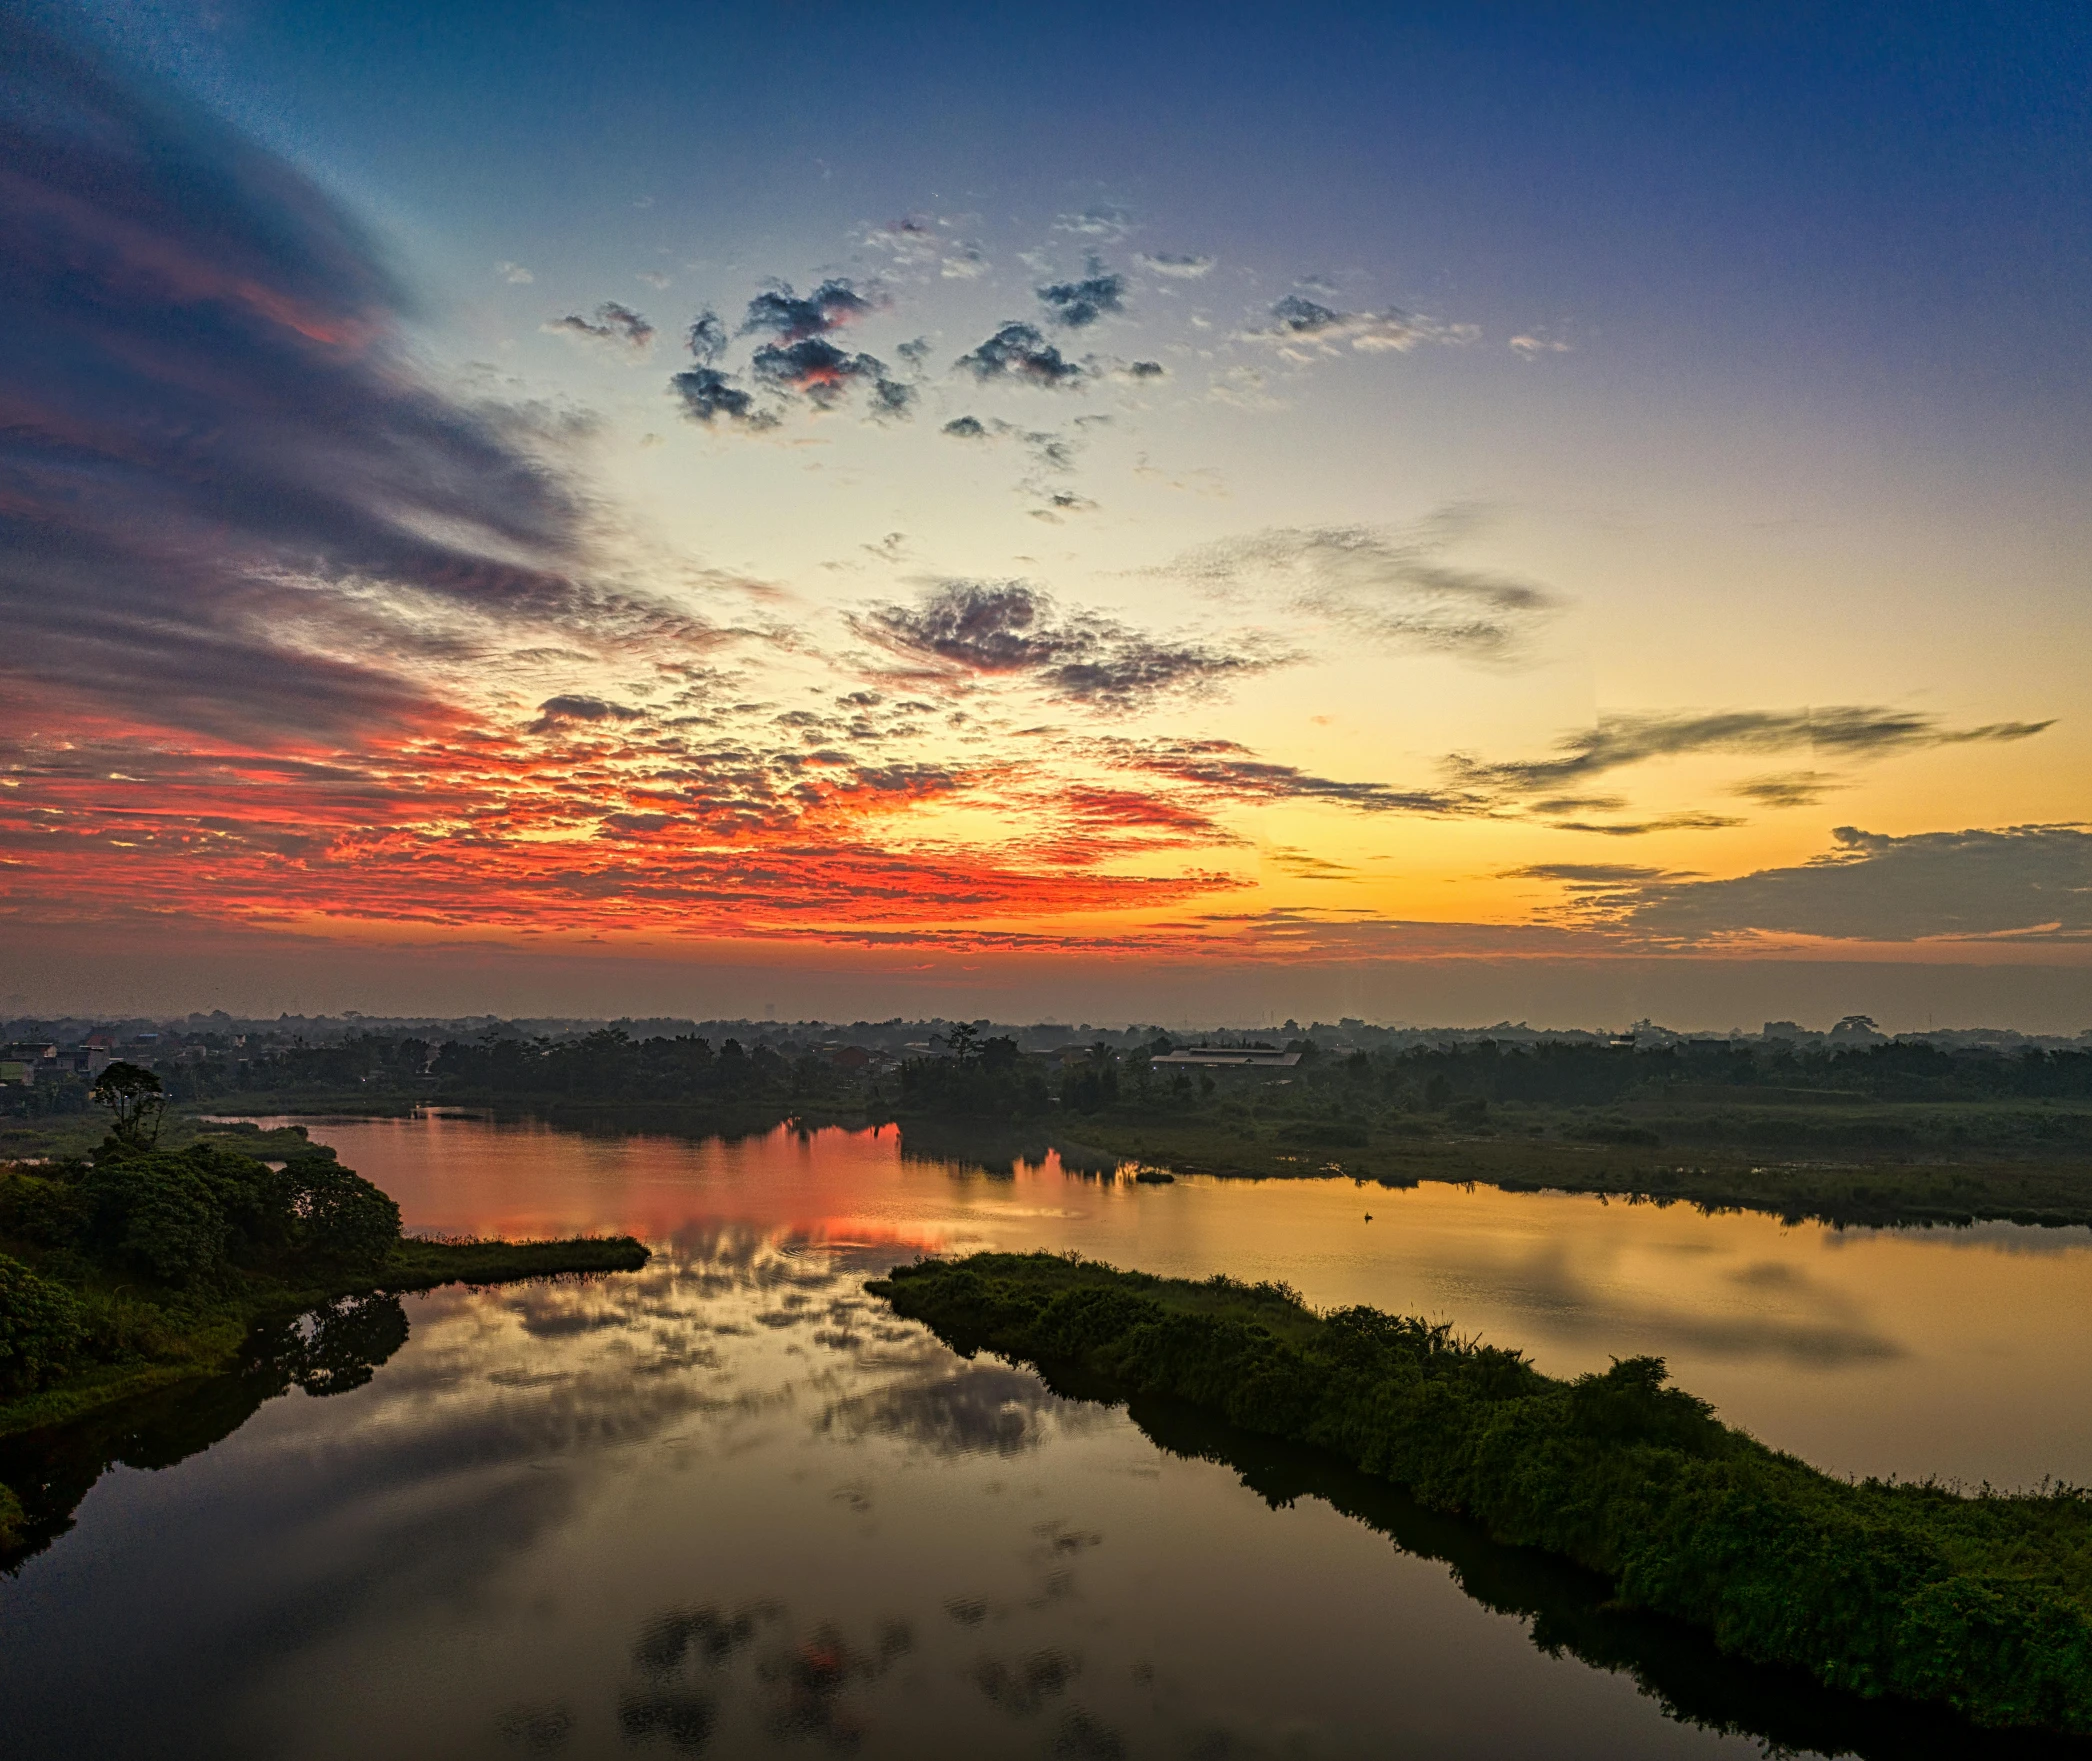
135, 1101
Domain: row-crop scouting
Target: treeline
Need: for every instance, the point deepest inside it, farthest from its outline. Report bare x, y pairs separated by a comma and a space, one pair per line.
605, 1067
1568, 1074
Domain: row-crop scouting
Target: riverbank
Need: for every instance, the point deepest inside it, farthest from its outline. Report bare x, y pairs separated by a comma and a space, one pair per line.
1881, 1189
188, 1337
1886, 1589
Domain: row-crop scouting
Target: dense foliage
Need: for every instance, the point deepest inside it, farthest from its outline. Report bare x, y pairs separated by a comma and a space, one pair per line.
1884, 1589
129, 1247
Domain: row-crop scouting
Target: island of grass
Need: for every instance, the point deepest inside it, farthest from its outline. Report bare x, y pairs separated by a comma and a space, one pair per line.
145, 1267
1981, 1602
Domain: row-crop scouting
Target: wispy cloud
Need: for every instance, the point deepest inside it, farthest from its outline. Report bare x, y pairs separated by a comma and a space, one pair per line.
1174, 268
1641, 828
613, 323
1102, 222
1788, 788
1385, 585
1618, 741
1226, 770
1302, 329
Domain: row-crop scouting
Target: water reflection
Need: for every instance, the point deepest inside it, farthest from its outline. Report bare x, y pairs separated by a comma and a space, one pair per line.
1570, 1611
731, 1506
329, 1350
1955, 1353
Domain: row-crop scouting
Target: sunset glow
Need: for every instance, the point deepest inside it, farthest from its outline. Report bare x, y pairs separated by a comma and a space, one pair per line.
1035, 537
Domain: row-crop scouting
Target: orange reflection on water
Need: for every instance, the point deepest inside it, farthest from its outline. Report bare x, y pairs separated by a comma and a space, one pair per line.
1957, 1353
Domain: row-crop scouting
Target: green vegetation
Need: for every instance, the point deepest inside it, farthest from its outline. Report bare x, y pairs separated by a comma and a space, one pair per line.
147, 1266
1848, 1132
1981, 1602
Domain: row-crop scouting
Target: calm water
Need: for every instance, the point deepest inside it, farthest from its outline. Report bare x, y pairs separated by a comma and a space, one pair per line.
729, 1506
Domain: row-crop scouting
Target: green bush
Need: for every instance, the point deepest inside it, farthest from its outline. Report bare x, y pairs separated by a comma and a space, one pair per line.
159, 1214
40, 1330
1984, 1603
341, 1216
36, 1208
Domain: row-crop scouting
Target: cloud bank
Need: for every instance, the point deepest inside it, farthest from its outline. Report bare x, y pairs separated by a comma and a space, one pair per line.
231, 502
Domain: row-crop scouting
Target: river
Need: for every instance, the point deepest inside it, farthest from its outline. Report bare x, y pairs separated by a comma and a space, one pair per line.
730, 1506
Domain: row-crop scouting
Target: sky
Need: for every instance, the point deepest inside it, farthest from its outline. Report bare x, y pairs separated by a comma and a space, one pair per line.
1444, 514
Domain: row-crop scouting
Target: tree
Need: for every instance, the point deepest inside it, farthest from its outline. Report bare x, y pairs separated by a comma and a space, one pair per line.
135, 1101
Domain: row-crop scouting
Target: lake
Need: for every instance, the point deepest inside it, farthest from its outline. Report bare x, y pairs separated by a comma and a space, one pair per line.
730, 1506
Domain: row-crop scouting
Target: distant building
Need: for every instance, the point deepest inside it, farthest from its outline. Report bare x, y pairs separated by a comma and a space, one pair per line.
24, 1061
1212, 1057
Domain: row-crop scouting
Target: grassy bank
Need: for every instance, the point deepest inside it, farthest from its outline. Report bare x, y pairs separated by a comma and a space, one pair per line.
1881, 1187
1978, 1602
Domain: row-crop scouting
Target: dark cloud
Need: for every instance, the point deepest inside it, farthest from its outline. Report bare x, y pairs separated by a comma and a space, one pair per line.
1146, 370
1641, 828
1792, 788
823, 374
966, 428
557, 712
2025, 882
613, 323
707, 338
1079, 304
1303, 317
915, 353
1223, 768
214, 429
779, 312
1018, 351
707, 393
1388, 586
1583, 874
1618, 741
1004, 628
892, 398
1560, 805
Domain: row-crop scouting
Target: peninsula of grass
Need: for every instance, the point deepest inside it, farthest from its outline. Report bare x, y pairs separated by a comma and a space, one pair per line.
1983, 1602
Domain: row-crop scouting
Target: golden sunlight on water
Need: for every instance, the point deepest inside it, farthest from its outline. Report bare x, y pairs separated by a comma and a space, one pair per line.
1956, 1353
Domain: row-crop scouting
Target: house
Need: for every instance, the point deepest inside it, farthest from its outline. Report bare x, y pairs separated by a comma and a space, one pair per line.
26, 1060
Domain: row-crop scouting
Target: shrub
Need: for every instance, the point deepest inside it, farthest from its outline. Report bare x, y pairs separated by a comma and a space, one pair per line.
159, 1214
341, 1216
41, 1210
40, 1331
